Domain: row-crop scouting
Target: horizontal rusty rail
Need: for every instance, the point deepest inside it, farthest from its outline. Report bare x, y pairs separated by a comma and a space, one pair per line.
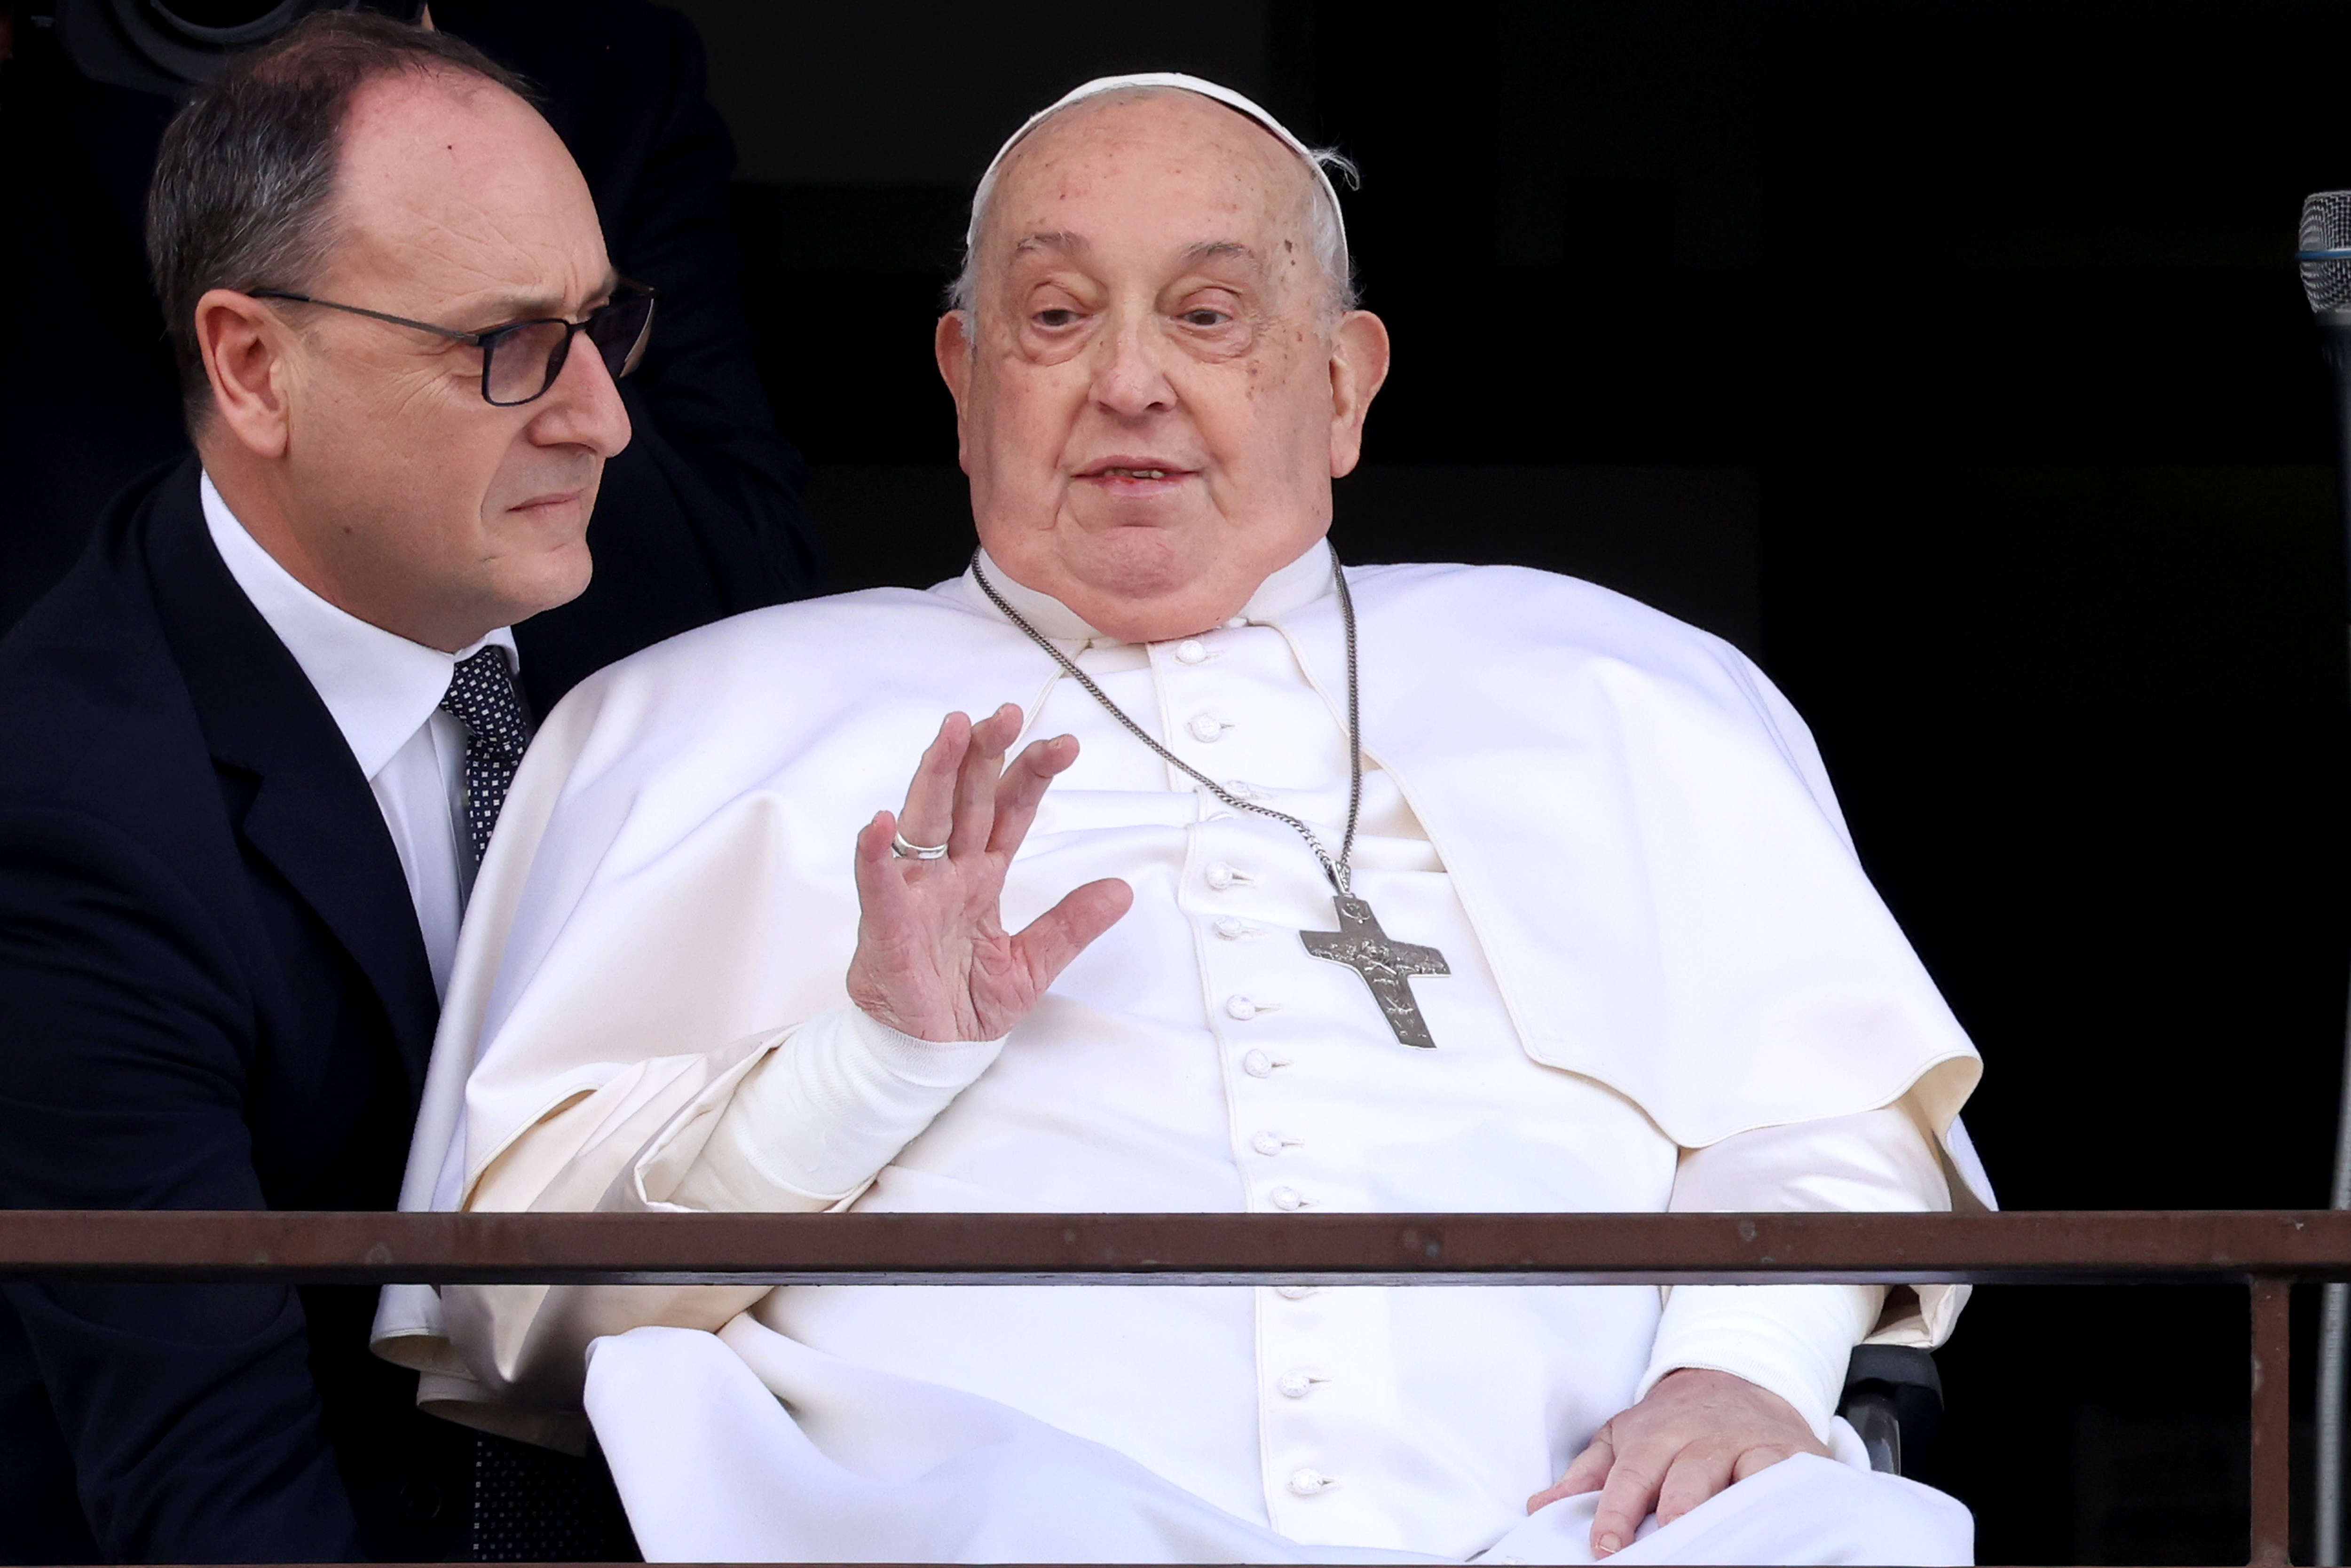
2029, 1248
2266, 1249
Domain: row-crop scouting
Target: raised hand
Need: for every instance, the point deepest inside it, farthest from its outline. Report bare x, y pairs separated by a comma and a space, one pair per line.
932, 957
1695, 1432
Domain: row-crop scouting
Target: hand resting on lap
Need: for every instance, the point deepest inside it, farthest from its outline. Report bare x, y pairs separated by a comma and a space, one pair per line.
1695, 1432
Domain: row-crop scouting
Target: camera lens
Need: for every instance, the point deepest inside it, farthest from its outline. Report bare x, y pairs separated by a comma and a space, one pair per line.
224, 21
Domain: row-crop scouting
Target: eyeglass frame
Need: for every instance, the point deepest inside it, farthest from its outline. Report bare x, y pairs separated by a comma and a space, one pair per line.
487, 338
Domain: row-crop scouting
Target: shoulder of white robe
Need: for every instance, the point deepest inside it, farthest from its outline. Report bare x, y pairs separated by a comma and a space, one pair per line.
1645, 669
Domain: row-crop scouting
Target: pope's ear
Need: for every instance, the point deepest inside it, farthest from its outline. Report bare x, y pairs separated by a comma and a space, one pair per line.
951, 347
1359, 364
248, 351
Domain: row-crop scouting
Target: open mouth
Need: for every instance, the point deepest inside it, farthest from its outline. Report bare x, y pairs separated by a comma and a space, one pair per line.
1137, 475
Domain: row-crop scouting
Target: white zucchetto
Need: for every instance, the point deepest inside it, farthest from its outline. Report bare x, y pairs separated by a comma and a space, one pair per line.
1181, 82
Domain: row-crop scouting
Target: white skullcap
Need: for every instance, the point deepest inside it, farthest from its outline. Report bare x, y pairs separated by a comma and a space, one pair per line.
1176, 79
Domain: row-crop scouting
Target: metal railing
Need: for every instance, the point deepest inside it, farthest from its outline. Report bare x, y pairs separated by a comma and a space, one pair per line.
2267, 1251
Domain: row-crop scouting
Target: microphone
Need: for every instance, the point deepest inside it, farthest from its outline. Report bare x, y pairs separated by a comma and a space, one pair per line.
2324, 257
2323, 254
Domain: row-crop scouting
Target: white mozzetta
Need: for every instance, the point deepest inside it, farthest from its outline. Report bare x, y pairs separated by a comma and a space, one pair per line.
1614, 829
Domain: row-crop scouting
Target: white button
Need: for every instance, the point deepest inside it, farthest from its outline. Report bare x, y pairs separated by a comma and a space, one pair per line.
1236, 623
1295, 1292
1242, 1008
1190, 650
1208, 726
1230, 929
1221, 876
1295, 1386
1306, 1483
1241, 789
1267, 1143
1258, 1064
1288, 1199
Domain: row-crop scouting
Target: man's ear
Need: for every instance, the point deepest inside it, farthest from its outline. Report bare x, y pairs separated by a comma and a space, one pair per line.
1359, 364
951, 347
248, 353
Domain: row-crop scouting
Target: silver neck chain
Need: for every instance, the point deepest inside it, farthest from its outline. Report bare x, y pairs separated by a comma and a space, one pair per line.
1336, 869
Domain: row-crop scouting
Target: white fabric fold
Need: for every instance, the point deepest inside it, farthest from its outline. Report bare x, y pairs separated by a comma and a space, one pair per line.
795, 1457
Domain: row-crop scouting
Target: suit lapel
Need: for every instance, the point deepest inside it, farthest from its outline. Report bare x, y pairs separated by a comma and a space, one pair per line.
313, 816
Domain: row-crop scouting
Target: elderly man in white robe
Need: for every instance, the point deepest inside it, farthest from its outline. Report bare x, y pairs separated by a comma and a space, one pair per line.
1433, 888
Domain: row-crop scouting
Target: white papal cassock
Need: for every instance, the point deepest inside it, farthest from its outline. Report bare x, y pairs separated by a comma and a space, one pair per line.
1672, 989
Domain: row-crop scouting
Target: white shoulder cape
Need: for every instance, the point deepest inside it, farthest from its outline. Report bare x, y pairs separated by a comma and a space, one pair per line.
1636, 822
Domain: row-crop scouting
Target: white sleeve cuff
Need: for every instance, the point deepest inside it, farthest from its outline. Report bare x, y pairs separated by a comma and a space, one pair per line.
1796, 1340
1793, 1340
831, 1104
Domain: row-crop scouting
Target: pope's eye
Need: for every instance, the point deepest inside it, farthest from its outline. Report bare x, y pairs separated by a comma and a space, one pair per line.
1206, 318
1057, 316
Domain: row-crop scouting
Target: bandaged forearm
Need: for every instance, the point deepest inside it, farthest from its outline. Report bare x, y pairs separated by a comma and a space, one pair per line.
827, 1110
1793, 1340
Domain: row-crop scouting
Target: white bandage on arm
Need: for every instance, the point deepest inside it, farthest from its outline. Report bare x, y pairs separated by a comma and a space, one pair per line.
1793, 1340
812, 1124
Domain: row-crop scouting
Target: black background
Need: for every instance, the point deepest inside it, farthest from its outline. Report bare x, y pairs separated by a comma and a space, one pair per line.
1948, 356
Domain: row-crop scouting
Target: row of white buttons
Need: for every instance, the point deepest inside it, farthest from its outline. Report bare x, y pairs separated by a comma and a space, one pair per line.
1207, 728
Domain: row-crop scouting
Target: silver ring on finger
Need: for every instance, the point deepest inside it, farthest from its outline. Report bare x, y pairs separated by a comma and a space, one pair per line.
912, 851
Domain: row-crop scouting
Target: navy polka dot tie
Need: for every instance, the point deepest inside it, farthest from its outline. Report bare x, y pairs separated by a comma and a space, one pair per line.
482, 698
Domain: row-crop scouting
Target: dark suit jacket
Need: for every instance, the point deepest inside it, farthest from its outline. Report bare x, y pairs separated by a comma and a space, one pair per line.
215, 996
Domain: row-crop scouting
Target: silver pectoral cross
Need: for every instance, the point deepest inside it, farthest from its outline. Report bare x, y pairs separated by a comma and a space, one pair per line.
1386, 967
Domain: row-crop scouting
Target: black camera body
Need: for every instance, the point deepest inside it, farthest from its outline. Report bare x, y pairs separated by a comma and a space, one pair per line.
169, 46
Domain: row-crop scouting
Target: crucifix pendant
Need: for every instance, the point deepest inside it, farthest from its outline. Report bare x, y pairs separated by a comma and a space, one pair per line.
1386, 967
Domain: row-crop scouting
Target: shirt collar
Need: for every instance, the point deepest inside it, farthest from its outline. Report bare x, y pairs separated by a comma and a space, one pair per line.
379, 686
1282, 594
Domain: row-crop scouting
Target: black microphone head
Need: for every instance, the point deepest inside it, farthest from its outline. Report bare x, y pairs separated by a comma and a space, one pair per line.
2325, 252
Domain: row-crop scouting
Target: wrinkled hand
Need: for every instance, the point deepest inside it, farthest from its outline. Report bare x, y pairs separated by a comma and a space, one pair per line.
932, 957
1695, 1432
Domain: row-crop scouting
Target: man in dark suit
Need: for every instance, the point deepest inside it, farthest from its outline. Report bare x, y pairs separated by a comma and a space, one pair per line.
250, 751
700, 518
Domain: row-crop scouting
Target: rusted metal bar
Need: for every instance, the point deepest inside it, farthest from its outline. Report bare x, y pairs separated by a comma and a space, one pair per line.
2273, 1421
2047, 1247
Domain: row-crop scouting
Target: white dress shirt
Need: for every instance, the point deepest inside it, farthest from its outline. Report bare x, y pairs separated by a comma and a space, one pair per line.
1197, 1058
384, 694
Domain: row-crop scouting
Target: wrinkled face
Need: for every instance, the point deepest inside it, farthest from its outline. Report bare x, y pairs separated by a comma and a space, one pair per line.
424, 507
1153, 396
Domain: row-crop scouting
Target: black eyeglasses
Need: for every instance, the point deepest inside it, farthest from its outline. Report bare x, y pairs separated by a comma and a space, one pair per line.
521, 360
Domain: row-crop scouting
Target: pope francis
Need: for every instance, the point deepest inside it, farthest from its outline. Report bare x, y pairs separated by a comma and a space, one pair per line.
1304, 890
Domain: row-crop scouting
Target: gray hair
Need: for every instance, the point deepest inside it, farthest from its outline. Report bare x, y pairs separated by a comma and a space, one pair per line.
1326, 231
242, 194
